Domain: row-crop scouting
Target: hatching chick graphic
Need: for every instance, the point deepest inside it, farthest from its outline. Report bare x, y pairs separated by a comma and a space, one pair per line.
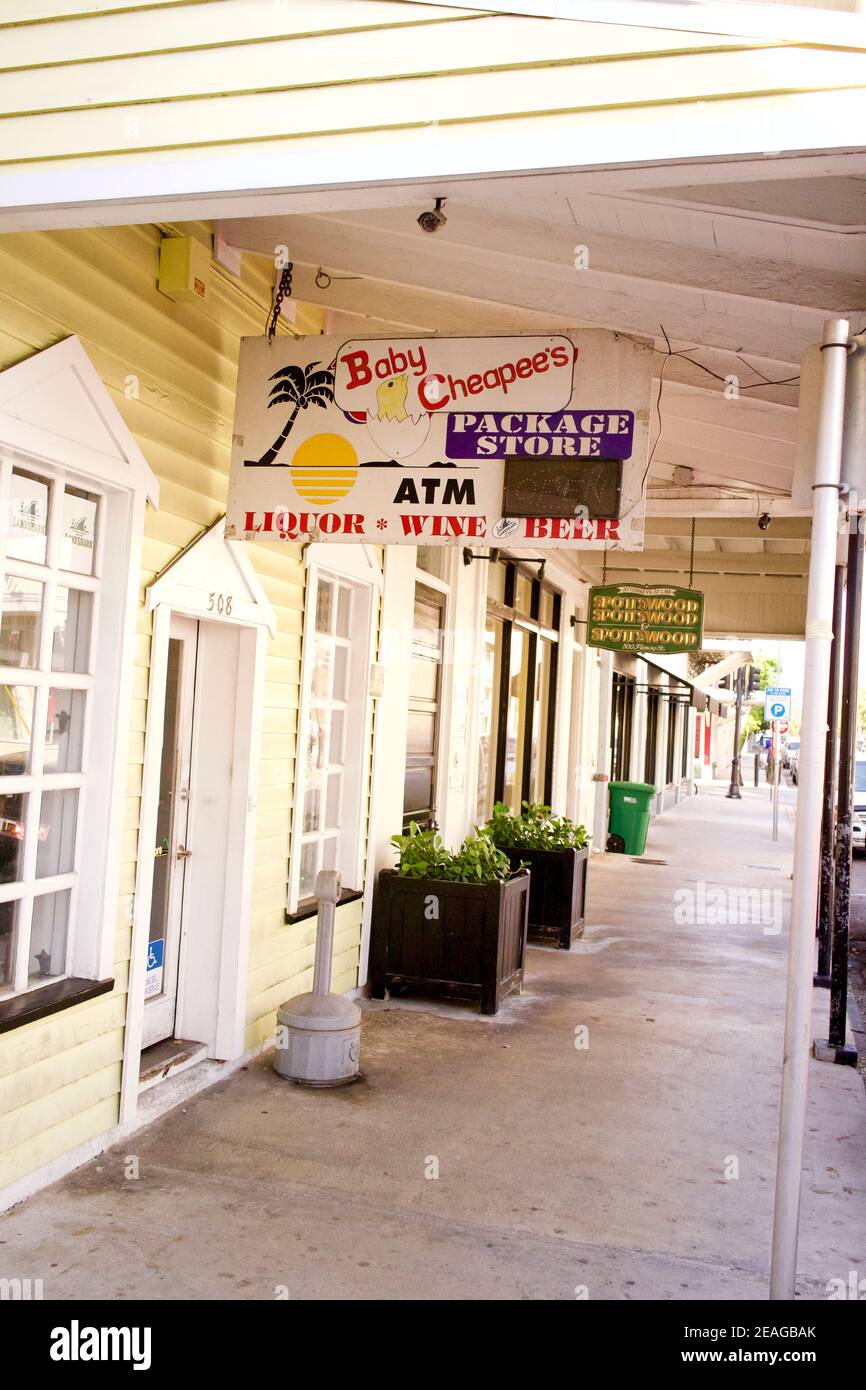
391, 398
397, 433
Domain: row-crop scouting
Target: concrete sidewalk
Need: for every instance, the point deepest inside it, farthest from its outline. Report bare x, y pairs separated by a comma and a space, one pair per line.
608, 1167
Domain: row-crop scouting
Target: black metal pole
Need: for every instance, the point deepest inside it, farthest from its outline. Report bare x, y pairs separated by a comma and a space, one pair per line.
828, 820
847, 750
734, 789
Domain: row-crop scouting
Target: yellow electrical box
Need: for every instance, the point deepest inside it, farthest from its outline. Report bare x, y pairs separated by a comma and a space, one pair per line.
184, 269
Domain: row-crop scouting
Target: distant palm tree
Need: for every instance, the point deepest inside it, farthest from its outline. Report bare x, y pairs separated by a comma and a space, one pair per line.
298, 387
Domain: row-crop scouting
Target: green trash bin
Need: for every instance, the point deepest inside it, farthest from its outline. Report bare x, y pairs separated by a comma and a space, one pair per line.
629, 816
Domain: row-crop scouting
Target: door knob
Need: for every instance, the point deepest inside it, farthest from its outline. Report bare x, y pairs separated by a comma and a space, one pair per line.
183, 853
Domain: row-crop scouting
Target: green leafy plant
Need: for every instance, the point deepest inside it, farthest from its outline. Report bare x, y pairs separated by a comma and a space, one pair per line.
535, 828
422, 854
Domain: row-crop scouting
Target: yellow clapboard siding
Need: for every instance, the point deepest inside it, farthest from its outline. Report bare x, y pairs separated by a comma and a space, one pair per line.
492, 41
193, 26
267, 981
58, 1139
33, 1083
62, 1104
47, 1038
415, 102
164, 342
269, 873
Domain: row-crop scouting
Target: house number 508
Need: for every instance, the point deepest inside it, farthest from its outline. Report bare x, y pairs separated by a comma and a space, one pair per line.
222, 603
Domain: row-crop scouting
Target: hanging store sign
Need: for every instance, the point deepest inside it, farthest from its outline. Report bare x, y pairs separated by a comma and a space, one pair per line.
407, 441
645, 618
423, 376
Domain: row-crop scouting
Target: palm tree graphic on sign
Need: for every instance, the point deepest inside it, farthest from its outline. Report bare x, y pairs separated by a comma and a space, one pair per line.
298, 387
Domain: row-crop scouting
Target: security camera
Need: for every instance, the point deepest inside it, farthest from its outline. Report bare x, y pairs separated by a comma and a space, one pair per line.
433, 221
764, 521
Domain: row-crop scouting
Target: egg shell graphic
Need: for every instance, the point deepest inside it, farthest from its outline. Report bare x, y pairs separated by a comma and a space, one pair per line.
399, 439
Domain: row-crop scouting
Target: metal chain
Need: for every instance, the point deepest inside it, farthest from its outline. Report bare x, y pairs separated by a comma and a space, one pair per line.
604, 567
692, 557
284, 291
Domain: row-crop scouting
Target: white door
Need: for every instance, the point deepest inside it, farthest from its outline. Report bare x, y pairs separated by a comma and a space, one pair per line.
171, 852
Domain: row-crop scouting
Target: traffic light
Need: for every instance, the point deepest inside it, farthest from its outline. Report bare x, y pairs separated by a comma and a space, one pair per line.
754, 684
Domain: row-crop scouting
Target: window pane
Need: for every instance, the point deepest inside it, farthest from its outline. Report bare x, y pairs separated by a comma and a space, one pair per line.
12, 808
64, 730
427, 623
48, 935
417, 790
421, 737
312, 802
79, 531
28, 514
545, 609
7, 943
73, 610
344, 611
338, 727
496, 581
523, 594
324, 605
19, 630
56, 850
334, 801
317, 735
341, 672
16, 727
329, 853
431, 559
323, 662
423, 678
307, 882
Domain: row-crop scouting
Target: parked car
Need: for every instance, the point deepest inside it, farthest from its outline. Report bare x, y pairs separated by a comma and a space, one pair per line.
858, 819
792, 752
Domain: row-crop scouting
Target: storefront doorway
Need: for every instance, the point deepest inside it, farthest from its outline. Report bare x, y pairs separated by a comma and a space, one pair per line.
191, 923
192, 831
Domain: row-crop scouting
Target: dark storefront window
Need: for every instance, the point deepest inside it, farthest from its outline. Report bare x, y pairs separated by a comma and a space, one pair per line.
621, 715
518, 686
652, 733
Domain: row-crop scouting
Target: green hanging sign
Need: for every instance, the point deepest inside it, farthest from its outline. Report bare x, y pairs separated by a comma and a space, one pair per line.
645, 618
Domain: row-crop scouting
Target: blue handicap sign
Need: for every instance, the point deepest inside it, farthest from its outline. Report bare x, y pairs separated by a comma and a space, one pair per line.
155, 951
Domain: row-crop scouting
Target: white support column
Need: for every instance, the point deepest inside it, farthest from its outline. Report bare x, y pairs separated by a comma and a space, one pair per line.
679, 715
637, 752
662, 749
807, 843
690, 761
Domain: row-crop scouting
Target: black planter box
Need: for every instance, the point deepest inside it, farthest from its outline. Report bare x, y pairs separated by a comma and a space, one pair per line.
557, 892
463, 940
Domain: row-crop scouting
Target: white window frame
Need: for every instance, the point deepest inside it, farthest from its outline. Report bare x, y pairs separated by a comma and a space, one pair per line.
339, 565
60, 388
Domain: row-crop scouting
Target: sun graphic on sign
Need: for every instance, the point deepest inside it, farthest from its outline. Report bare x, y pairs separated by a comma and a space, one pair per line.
324, 469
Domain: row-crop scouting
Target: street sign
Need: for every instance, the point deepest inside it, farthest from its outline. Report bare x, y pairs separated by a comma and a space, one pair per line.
645, 618
777, 702
536, 441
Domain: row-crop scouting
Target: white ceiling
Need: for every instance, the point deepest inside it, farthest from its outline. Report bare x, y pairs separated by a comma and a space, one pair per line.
738, 264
